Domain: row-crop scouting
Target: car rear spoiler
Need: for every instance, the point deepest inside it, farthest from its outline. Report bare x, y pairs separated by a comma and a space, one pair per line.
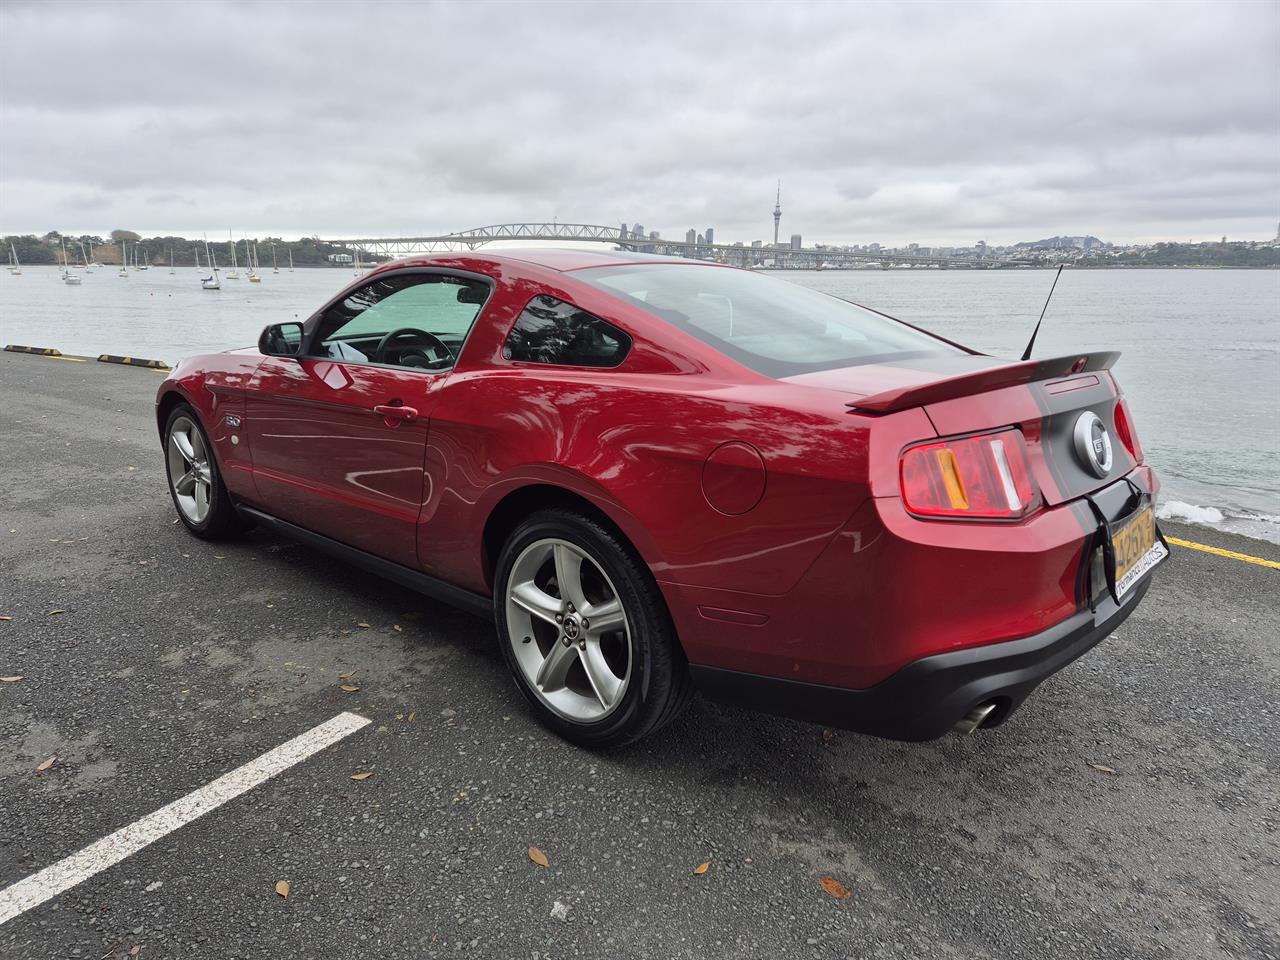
982, 381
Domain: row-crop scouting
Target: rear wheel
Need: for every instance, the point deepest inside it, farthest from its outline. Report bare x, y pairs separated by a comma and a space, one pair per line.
586, 632
199, 495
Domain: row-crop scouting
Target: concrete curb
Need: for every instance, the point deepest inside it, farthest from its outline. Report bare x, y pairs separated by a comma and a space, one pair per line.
132, 361
42, 351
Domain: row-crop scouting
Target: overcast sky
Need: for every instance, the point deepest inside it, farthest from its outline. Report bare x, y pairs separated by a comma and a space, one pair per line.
937, 123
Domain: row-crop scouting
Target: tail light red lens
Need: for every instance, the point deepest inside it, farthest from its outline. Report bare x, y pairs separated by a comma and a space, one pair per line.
1124, 430
985, 477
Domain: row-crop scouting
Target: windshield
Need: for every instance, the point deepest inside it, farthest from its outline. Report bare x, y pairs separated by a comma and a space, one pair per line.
776, 328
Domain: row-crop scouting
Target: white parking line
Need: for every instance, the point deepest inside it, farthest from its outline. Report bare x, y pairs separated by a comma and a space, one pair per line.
17, 899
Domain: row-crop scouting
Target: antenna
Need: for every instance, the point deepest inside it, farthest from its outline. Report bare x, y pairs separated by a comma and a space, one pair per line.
1026, 354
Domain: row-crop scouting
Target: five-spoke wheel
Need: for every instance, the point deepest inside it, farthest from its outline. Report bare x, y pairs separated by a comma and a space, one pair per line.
202, 501
189, 470
585, 630
568, 630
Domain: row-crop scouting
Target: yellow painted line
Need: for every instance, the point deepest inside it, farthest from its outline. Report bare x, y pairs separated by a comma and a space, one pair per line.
1219, 552
68, 359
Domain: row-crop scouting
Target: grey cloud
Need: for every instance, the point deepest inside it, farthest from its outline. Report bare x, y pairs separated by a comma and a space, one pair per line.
938, 123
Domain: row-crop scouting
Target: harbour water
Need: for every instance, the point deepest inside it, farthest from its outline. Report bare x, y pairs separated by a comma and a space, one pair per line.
1200, 348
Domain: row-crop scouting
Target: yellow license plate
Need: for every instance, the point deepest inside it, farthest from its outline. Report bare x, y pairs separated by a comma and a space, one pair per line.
1137, 549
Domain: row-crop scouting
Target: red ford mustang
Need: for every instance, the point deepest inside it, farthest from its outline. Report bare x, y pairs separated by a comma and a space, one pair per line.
658, 476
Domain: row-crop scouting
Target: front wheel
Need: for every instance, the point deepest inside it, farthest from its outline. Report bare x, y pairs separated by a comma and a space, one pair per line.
585, 631
199, 495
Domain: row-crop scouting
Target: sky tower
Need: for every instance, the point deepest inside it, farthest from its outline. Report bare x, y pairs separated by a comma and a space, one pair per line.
777, 213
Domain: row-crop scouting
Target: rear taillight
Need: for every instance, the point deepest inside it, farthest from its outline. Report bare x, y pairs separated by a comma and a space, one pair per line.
986, 477
1124, 430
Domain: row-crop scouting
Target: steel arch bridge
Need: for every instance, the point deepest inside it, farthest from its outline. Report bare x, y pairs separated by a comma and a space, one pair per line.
468, 240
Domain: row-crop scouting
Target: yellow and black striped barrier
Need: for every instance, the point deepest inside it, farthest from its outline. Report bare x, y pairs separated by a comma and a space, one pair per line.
41, 351
133, 361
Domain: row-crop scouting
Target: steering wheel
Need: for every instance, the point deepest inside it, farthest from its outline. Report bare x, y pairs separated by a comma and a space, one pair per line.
415, 340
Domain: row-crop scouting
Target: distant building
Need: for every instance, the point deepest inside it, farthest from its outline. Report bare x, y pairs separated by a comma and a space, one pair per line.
654, 235
341, 258
711, 235
757, 244
777, 213
691, 235
795, 241
637, 232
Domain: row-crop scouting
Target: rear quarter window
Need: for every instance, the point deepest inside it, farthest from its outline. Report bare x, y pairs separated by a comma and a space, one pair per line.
555, 332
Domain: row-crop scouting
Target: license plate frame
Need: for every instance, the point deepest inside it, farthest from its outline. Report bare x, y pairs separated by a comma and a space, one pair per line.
1132, 548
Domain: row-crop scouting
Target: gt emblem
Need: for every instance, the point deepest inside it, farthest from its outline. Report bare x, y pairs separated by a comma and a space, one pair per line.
1093, 444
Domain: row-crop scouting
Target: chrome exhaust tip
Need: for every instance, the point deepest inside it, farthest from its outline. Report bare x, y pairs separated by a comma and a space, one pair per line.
973, 719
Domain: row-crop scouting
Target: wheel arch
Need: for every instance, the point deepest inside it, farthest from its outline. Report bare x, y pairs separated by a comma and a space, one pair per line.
165, 404
524, 500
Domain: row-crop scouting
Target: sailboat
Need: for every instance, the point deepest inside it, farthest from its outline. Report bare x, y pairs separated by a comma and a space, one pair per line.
171, 261
210, 282
357, 273
124, 262
291, 259
249, 258
15, 267
84, 256
274, 268
67, 276
234, 272
144, 263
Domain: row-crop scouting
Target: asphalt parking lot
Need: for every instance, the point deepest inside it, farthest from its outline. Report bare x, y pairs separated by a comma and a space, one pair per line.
1130, 809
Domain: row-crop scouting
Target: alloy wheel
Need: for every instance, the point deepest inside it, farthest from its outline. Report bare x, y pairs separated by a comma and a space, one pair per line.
190, 473
568, 629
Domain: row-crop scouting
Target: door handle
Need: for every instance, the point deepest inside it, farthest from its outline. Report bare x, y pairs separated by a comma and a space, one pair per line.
392, 412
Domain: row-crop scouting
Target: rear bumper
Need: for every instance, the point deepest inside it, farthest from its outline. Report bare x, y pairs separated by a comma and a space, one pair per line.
926, 698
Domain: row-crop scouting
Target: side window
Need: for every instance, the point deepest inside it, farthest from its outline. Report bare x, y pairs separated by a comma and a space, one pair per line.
552, 331
405, 320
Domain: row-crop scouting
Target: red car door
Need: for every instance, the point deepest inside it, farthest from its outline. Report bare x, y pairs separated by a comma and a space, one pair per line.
338, 436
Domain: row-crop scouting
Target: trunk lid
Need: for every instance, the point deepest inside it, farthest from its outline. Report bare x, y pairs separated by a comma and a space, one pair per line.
1048, 400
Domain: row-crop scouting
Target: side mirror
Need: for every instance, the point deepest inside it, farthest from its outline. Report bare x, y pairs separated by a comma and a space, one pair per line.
281, 340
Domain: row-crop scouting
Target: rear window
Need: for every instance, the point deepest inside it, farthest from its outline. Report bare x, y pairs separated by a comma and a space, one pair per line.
776, 328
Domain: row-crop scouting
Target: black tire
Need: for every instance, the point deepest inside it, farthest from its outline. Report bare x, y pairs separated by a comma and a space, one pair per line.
222, 521
659, 687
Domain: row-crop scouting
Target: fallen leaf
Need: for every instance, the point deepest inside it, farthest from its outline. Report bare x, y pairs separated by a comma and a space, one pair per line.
282, 888
396, 628
346, 674
828, 733
10, 679
411, 716
1102, 768
835, 888
362, 776
349, 687
48, 763
702, 868
538, 857
365, 625
54, 613
133, 951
